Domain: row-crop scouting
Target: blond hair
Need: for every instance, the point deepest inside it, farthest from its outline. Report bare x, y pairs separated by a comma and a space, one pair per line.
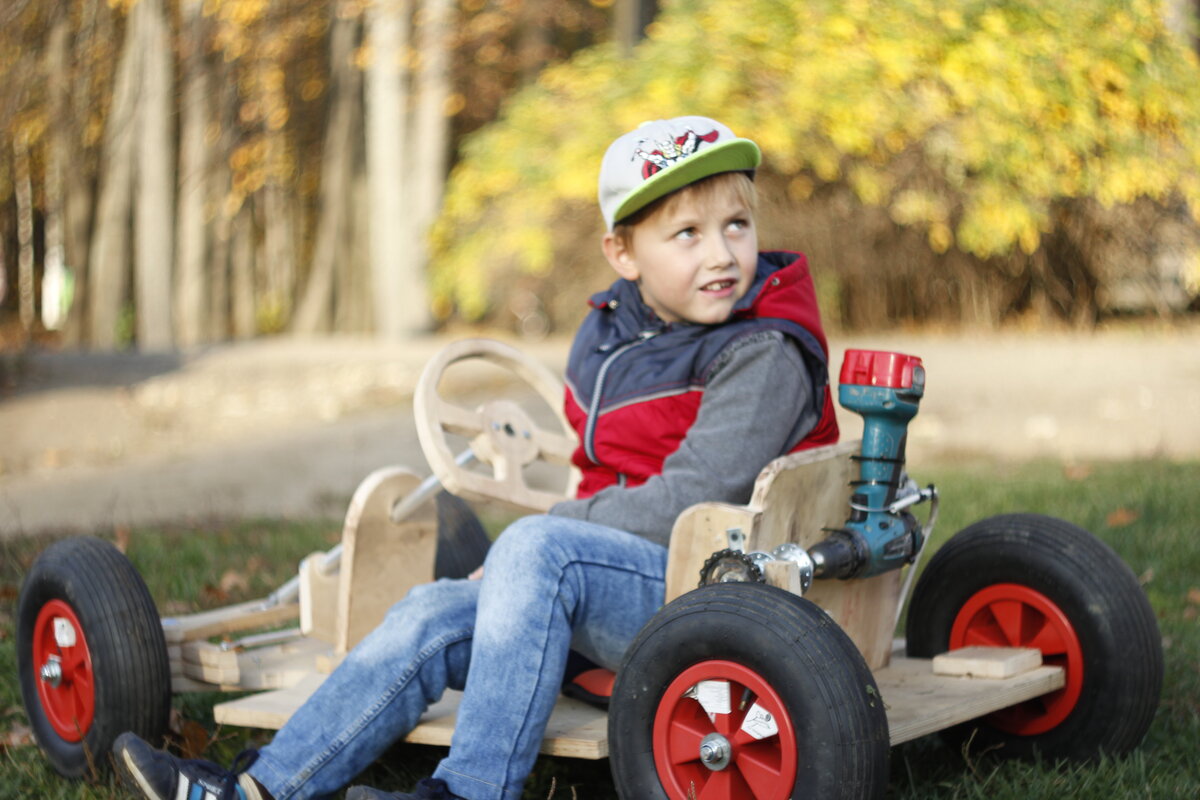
703, 192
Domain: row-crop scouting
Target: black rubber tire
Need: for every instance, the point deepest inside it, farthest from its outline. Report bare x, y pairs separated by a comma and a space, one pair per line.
838, 717
129, 666
1100, 597
462, 542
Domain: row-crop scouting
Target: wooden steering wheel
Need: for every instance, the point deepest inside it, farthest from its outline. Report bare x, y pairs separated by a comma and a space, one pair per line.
502, 434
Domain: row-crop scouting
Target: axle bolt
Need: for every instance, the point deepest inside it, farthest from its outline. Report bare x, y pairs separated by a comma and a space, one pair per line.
51, 672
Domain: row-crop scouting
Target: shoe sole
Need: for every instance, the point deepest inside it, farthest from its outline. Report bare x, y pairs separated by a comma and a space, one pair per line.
133, 776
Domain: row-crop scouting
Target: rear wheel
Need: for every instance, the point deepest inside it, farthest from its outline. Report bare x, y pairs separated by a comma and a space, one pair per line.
1026, 580
462, 542
741, 691
91, 655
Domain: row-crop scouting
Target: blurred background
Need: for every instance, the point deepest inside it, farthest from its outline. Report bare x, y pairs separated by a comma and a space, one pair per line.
233, 231
182, 172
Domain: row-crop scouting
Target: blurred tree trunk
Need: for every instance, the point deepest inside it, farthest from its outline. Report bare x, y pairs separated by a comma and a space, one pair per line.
23, 193
3, 261
354, 309
71, 103
392, 284
431, 151
108, 268
277, 264
241, 269
154, 209
56, 288
314, 310
218, 187
630, 18
191, 302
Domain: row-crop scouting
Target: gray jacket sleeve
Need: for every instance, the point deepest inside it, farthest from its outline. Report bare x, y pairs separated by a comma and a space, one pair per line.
758, 404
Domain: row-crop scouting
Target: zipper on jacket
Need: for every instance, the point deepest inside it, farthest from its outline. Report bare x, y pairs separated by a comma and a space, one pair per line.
594, 409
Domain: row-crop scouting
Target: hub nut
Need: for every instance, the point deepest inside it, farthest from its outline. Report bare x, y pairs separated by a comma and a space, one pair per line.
51, 672
715, 751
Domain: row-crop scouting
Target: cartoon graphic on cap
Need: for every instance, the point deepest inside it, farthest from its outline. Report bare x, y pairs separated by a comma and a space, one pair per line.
669, 151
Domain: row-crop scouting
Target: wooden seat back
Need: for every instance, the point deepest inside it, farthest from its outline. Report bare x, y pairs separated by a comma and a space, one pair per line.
795, 498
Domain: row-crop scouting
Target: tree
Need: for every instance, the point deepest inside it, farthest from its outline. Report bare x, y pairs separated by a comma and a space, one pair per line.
972, 138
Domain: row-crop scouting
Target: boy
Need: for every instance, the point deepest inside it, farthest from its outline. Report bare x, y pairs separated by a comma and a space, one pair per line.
703, 362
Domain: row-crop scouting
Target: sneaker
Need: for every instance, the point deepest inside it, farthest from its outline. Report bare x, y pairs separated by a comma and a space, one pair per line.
162, 776
427, 789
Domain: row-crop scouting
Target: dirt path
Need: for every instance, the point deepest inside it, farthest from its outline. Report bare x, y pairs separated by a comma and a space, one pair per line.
288, 427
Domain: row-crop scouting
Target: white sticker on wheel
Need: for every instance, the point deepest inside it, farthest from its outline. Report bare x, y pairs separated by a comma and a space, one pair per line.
64, 632
759, 722
713, 696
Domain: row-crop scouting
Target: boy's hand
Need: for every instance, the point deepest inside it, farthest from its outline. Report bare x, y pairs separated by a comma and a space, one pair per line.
477, 574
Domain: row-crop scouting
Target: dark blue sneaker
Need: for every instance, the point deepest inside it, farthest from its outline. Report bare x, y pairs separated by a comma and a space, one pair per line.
162, 776
427, 789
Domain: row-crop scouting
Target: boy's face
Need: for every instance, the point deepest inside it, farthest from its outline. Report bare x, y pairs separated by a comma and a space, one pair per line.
692, 261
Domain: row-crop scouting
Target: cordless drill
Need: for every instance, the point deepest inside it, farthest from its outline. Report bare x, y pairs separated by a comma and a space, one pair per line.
885, 388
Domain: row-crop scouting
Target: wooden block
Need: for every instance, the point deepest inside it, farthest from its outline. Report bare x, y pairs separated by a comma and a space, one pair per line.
210, 655
987, 662
318, 599
272, 667
207, 673
280, 666
784, 575
918, 702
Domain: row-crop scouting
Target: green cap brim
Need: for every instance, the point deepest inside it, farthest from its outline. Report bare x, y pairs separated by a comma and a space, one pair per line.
738, 155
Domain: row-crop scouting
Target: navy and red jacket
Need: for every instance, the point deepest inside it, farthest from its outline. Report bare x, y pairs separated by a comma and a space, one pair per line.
635, 383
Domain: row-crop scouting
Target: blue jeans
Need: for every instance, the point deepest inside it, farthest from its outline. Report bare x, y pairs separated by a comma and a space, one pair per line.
550, 584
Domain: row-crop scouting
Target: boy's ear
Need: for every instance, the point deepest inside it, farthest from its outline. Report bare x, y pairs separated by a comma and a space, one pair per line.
620, 256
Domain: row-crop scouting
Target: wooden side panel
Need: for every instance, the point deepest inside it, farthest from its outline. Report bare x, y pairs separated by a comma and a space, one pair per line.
381, 559
698, 533
794, 499
802, 494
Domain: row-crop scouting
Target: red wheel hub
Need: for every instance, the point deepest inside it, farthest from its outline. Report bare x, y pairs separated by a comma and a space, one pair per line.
722, 733
1012, 615
65, 684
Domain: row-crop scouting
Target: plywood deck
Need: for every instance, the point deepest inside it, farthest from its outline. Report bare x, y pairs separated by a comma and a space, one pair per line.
918, 703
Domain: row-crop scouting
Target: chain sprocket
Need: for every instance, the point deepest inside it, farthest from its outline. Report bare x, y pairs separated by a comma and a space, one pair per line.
730, 566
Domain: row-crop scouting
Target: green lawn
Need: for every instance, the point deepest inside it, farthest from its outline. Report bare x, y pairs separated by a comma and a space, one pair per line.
1147, 511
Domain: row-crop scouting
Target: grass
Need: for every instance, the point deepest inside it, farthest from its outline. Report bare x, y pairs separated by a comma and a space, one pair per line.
1146, 510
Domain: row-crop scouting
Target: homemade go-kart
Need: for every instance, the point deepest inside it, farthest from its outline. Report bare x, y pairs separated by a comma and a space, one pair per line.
778, 677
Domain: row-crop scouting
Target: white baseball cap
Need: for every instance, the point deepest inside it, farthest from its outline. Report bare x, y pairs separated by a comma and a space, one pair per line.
659, 157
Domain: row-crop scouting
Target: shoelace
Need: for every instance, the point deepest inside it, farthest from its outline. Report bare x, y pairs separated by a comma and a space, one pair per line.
229, 777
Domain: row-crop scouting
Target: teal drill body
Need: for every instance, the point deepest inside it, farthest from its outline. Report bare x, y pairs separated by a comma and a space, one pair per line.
885, 389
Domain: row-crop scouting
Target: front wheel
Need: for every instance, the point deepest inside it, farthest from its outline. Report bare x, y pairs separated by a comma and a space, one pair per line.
91, 654
741, 691
1026, 580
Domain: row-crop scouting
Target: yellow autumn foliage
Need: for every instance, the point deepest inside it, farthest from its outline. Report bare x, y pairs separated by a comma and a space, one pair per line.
1006, 109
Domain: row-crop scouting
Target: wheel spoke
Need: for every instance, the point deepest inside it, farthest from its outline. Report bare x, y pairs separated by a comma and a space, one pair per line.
1009, 615
1048, 639
759, 766
684, 739
74, 659
725, 785
985, 632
